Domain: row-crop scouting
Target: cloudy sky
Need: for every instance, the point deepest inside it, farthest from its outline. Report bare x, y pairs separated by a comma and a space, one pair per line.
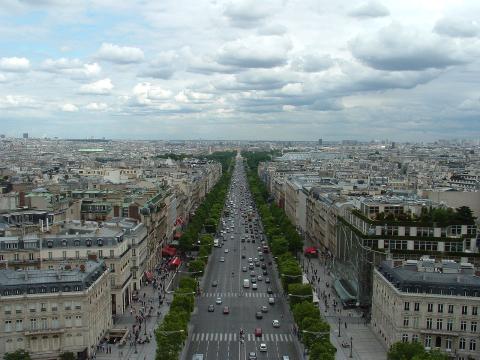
242, 69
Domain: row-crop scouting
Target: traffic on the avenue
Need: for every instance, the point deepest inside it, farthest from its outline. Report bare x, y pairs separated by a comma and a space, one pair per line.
241, 313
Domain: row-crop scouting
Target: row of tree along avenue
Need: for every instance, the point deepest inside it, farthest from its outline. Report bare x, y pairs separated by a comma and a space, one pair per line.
285, 243
173, 331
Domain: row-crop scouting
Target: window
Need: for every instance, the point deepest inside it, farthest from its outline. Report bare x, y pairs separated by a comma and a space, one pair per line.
68, 321
461, 344
414, 338
440, 308
100, 254
453, 246
112, 253
450, 324
415, 322
450, 309
473, 345
416, 306
428, 341
76, 242
78, 320
19, 325
88, 242
425, 245
64, 242
100, 242
405, 321
430, 307
64, 254
464, 309
474, 310
448, 343
429, 323
439, 324
33, 324
49, 243
50, 255
405, 338
30, 256
8, 325
44, 323
54, 307
473, 326
463, 325
406, 306
77, 254
55, 322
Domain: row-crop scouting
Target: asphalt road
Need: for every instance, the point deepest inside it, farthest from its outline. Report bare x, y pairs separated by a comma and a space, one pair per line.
217, 335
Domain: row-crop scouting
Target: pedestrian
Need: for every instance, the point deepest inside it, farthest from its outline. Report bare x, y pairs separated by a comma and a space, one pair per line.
345, 324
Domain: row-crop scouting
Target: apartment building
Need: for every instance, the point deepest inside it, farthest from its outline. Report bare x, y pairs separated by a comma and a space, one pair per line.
434, 303
49, 312
70, 244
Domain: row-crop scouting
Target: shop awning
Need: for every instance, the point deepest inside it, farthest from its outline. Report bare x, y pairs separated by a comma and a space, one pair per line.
169, 251
175, 261
149, 275
310, 251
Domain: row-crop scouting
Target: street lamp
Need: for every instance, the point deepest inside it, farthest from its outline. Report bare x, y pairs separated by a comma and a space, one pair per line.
339, 327
170, 332
351, 347
300, 296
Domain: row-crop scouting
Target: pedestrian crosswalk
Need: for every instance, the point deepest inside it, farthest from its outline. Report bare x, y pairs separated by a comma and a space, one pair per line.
251, 294
274, 337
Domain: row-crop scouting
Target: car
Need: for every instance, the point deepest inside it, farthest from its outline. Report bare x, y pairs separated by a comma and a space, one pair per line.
226, 310
215, 283
264, 309
243, 256
257, 264
276, 323
254, 280
243, 240
252, 356
254, 286
225, 251
264, 272
267, 280
244, 268
258, 332
285, 357
251, 266
211, 308
263, 347
197, 357
252, 273
222, 259
250, 260
259, 277
255, 260
259, 315
271, 300
264, 266
218, 301
269, 290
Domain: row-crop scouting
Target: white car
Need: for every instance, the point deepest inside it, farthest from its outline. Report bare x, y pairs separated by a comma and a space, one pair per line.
218, 301
222, 259
276, 323
254, 286
263, 347
226, 250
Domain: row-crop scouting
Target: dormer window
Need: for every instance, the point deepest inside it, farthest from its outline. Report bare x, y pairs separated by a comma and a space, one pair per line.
88, 242
50, 243
100, 242
76, 242
66, 288
64, 242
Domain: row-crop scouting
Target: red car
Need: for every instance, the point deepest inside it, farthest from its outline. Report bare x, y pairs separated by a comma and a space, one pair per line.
258, 332
226, 310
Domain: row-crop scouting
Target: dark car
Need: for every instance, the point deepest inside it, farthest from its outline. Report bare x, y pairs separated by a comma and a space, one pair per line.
264, 272
269, 290
211, 308
264, 266
259, 315
258, 332
267, 280
215, 283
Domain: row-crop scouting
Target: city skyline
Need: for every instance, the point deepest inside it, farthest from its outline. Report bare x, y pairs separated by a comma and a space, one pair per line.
282, 70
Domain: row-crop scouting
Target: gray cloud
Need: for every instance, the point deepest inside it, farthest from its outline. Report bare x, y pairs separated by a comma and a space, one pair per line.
456, 28
255, 52
249, 13
312, 62
371, 9
395, 48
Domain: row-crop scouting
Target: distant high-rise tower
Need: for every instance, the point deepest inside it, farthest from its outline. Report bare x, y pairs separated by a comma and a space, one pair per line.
25, 135
320, 142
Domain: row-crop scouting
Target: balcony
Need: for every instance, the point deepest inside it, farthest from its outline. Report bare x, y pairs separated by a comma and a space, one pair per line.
48, 331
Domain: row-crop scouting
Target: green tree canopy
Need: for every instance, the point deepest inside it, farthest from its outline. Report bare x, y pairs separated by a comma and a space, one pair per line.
17, 355
405, 350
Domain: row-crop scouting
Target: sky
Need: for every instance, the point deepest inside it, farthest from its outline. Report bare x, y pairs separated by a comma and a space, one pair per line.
244, 69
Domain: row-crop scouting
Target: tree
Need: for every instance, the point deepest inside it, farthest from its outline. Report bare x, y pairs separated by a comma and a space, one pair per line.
432, 355
68, 356
405, 350
17, 355
195, 266
465, 215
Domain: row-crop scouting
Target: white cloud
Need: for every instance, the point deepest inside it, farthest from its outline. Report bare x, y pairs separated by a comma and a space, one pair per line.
147, 93
71, 67
250, 13
255, 52
69, 108
288, 108
371, 9
99, 87
17, 101
94, 106
120, 54
14, 64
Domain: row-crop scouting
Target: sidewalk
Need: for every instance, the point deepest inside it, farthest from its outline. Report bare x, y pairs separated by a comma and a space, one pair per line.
353, 327
127, 320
